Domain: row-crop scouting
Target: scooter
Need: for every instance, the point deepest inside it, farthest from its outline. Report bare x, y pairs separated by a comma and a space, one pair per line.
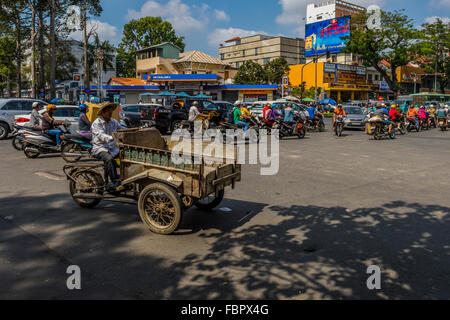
382, 129
412, 125
400, 126
19, 134
339, 126
253, 130
316, 124
37, 143
296, 128
74, 147
443, 124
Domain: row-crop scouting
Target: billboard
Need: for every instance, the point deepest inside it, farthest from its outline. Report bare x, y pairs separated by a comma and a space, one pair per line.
326, 35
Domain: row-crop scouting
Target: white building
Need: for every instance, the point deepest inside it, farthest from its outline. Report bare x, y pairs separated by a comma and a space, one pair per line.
330, 9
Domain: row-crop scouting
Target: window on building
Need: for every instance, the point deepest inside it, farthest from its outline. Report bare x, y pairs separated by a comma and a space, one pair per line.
376, 77
319, 17
354, 58
334, 58
243, 53
266, 60
222, 56
369, 77
256, 51
237, 64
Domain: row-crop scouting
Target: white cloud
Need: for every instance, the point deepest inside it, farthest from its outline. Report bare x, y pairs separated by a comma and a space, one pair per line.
104, 30
221, 15
219, 36
434, 18
294, 12
175, 11
440, 3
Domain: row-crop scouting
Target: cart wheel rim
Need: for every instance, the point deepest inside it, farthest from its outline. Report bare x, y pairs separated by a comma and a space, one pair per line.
159, 209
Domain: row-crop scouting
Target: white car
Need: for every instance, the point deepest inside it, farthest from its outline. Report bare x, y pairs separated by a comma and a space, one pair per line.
68, 114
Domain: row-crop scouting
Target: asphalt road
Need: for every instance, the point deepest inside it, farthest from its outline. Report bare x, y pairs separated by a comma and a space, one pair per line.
337, 206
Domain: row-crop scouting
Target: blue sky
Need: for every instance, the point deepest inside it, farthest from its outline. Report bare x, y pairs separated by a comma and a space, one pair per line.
205, 24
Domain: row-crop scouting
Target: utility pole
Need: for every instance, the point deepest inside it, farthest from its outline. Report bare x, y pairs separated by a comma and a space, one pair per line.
99, 54
435, 73
52, 51
85, 44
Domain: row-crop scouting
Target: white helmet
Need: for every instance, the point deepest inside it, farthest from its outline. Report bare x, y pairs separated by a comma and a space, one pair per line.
238, 103
36, 105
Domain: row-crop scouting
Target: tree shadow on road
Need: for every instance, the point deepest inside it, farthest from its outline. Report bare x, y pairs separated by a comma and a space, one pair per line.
297, 252
323, 253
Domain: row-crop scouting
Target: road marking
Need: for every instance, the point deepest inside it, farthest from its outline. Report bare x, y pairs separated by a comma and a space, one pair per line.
50, 175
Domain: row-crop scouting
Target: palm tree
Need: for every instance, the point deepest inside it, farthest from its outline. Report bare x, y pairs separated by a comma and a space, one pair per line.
108, 56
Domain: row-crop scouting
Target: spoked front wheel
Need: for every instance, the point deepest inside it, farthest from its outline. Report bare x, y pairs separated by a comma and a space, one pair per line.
86, 188
160, 208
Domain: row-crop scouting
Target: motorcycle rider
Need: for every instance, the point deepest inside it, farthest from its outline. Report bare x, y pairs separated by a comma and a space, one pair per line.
412, 115
338, 112
395, 115
84, 125
312, 115
382, 113
237, 120
267, 111
104, 147
422, 114
35, 118
442, 113
49, 124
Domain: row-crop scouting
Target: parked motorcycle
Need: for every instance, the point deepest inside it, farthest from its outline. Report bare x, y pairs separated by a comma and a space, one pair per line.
37, 143
297, 128
74, 147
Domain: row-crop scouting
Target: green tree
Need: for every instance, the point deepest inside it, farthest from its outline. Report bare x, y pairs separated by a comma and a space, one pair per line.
108, 55
250, 72
275, 70
139, 34
433, 49
393, 42
7, 67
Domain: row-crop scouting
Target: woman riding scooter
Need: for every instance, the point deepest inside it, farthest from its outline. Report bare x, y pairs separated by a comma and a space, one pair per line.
84, 125
49, 124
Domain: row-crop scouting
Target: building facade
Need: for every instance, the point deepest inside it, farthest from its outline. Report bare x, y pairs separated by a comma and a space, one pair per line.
262, 49
330, 9
166, 58
339, 82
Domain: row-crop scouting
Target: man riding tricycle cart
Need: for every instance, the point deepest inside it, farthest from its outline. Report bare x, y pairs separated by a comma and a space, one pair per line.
163, 187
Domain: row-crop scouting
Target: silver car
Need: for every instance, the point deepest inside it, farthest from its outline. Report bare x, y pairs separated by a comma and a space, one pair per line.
9, 108
67, 114
355, 117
